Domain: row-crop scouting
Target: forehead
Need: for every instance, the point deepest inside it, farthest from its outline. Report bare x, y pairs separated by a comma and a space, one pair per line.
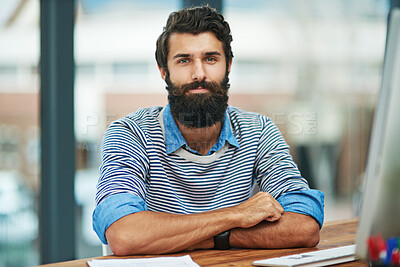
188, 43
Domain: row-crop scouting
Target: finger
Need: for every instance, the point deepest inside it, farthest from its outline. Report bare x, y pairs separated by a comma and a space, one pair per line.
279, 208
272, 212
275, 202
277, 205
275, 216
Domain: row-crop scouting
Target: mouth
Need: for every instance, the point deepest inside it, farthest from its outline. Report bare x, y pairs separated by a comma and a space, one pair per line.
198, 90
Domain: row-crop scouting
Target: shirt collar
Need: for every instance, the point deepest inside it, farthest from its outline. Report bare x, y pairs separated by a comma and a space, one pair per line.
174, 139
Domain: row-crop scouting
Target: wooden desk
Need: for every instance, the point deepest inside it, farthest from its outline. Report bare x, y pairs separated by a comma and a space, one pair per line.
333, 234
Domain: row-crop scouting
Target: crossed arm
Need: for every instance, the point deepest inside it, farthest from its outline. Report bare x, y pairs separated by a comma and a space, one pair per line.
259, 222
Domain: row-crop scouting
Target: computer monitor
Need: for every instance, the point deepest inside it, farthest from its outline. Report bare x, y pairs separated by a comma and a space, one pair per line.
380, 212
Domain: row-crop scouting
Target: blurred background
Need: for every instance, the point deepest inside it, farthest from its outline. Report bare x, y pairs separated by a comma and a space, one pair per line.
314, 67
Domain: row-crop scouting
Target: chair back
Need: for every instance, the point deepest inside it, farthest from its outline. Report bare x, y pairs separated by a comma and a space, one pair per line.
106, 250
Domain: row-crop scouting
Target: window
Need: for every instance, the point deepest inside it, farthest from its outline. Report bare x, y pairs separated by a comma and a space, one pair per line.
19, 132
314, 67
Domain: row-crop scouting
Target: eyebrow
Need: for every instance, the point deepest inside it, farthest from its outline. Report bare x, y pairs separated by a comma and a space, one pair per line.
181, 55
213, 53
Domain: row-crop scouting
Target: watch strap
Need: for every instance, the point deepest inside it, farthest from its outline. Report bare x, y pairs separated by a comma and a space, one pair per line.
221, 241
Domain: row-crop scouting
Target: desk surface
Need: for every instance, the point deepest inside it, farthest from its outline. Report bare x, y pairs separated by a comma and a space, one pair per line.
333, 234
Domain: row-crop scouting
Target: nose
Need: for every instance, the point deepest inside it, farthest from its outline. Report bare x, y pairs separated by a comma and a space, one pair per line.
199, 73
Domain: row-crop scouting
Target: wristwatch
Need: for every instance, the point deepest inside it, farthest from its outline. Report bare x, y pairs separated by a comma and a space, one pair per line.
221, 241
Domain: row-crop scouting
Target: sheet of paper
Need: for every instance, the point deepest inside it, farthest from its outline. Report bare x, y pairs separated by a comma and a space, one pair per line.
183, 261
321, 257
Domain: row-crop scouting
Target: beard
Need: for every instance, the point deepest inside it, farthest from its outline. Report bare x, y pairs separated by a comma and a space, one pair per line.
198, 110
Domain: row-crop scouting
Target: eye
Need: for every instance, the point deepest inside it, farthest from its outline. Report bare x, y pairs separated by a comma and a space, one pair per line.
183, 61
210, 59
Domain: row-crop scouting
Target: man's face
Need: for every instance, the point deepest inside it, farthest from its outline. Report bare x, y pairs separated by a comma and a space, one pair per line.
195, 58
197, 79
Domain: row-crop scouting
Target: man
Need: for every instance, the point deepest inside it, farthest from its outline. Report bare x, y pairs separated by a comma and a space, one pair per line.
181, 177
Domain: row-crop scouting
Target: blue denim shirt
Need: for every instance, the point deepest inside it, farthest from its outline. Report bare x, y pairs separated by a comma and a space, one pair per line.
174, 139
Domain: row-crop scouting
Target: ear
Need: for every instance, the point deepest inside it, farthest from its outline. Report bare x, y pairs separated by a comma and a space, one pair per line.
162, 72
229, 66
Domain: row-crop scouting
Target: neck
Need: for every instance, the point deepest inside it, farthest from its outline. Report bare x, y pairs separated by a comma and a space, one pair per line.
200, 139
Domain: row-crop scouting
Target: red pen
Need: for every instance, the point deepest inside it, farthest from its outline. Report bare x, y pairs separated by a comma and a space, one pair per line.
395, 257
377, 248
373, 249
381, 244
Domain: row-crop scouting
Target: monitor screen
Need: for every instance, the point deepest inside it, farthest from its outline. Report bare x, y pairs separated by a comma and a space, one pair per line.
380, 212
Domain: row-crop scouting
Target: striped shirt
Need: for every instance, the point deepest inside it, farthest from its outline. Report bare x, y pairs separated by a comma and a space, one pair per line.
147, 165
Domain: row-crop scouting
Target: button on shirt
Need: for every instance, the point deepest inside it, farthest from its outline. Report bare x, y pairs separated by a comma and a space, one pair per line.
147, 165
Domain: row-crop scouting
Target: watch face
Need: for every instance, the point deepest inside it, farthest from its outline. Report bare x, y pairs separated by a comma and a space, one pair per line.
224, 234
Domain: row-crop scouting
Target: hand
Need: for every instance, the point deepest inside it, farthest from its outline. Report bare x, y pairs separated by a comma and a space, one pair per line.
261, 206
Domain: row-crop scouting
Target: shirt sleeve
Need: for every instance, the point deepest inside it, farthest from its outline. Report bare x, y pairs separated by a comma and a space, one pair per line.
275, 170
121, 186
114, 208
308, 202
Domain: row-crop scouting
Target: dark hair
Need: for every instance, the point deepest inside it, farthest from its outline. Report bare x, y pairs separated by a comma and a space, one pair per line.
194, 20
